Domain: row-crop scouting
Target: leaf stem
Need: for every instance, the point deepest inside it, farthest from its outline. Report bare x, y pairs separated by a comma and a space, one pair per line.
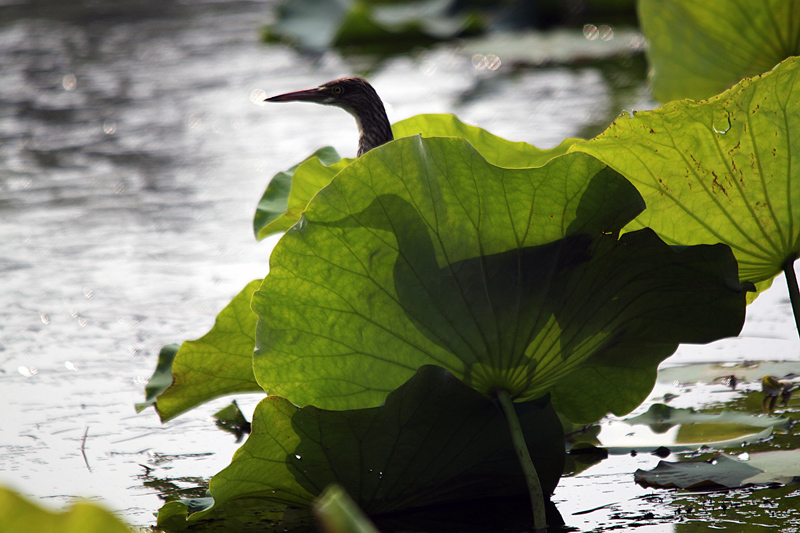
794, 293
531, 477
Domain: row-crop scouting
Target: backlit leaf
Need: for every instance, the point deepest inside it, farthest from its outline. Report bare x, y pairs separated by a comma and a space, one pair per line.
699, 49
19, 514
421, 252
289, 192
726, 170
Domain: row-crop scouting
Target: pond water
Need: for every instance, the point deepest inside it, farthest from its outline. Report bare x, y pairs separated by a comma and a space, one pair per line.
131, 160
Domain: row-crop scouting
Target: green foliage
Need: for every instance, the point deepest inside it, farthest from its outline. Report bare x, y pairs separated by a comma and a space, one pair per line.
699, 49
218, 363
693, 430
321, 24
673, 430
496, 150
434, 440
19, 514
289, 192
421, 252
724, 170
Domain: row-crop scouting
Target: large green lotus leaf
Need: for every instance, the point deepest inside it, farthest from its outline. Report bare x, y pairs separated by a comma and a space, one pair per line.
725, 170
289, 192
421, 252
19, 514
494, 149
218, 363
699, 49
434, 440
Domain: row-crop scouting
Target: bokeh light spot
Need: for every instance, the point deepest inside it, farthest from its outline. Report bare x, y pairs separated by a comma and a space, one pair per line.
69, 82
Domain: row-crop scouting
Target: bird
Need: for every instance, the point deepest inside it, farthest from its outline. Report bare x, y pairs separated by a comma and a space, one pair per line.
356, 96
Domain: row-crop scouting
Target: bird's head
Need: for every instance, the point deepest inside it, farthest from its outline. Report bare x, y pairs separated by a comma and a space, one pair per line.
351, 94
358, 98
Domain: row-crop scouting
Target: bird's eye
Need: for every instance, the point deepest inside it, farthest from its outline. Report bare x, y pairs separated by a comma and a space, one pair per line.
337, 90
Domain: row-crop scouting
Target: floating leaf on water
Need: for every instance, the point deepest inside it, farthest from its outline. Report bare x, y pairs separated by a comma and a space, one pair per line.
678, 430
232, 420
725, 471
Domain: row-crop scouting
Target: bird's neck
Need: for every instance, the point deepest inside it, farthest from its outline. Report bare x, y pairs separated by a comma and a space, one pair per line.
373, 131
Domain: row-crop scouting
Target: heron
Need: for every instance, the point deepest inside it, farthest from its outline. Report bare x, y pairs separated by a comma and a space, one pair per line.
357, 97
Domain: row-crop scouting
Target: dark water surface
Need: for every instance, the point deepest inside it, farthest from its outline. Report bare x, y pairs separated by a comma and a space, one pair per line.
131, 160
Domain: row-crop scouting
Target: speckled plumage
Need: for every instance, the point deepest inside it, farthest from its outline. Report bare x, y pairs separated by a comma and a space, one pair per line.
358, 98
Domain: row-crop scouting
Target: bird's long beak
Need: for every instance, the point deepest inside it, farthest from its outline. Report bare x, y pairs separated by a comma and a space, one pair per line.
307, 95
